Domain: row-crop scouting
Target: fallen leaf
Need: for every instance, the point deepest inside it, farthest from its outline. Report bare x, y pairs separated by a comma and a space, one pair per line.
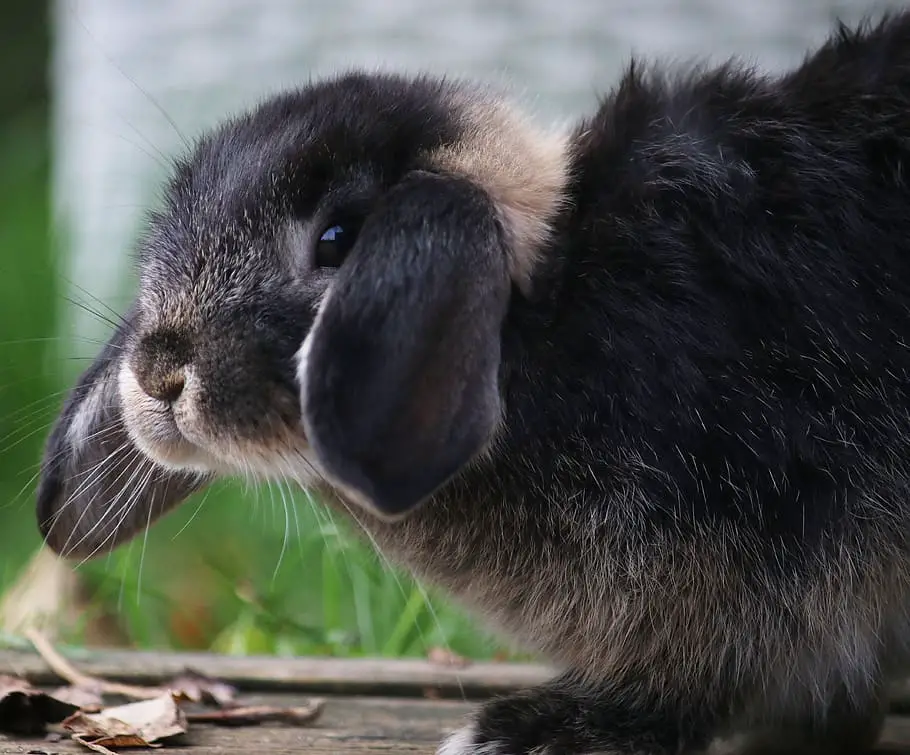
199, 688
248, 715
26, 711
97, 745
139, 724
444, 657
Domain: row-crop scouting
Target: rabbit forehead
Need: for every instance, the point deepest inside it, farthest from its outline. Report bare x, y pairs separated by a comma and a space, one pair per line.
301, 140
230, 201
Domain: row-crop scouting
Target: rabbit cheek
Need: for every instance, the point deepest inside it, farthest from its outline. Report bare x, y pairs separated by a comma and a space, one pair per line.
96, 488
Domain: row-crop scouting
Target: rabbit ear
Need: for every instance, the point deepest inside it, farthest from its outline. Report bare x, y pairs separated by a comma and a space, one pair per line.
399, 374
97, 489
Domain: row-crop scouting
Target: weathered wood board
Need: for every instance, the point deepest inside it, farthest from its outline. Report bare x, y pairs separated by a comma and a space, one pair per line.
366, 676
371, 706
348, 725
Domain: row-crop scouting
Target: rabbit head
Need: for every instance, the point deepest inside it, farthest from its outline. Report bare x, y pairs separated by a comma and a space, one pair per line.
321, 299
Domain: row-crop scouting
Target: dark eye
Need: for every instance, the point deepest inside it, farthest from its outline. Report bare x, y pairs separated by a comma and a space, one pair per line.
334, 245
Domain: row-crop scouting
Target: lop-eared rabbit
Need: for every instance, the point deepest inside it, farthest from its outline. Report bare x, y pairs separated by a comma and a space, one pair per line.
636, 391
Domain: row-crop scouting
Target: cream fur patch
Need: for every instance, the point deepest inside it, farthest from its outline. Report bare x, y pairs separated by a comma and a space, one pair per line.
523, 167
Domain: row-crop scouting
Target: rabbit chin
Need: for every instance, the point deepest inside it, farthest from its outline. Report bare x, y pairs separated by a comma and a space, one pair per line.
177, 438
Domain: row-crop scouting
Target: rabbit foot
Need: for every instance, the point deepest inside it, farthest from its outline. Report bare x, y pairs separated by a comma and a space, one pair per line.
560, 719
468, 741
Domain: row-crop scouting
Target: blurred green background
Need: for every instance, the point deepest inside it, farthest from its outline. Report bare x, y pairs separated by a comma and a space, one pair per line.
28, 295
244, 571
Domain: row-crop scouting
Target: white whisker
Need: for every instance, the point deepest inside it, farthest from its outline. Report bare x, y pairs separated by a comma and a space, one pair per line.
102, 520
192, 518
90, 477
148, 524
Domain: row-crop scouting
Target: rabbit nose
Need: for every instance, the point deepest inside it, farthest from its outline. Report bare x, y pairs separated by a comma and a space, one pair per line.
166, 387
159, 363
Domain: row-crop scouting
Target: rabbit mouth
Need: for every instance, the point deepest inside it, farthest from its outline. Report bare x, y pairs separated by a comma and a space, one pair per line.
156, 430
178, 437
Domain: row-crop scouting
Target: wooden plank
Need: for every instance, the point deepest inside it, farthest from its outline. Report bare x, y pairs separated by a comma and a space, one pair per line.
361, 676
360, 716
348, 726
357, 676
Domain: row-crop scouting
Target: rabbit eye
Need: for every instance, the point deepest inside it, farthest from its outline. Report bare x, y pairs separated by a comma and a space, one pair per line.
333, 246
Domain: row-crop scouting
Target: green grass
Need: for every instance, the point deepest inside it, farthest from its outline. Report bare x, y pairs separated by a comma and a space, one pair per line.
255, 572
240, 571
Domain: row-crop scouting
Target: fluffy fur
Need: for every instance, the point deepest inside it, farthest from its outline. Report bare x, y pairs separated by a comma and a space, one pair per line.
637, 392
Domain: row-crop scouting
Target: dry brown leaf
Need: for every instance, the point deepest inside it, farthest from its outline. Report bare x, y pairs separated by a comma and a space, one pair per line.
104, 748
249, 715
26, 711
138, 724
444, 657
199, 688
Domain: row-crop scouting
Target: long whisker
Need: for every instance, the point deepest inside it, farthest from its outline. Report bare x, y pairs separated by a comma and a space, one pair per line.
285, 490
86, 308
89, 477
43, 404
151, 99
148, 525
97, 300
110, 507
285, 540
195, 513
387, 564
26, 415
29, 429
50, 339
21, 493
101, 520
122, 512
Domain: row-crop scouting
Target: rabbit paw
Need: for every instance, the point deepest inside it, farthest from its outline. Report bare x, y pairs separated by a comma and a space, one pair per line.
467, 741
560, 719
565, 718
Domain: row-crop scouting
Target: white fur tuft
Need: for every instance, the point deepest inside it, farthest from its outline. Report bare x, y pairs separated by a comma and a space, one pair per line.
461, 742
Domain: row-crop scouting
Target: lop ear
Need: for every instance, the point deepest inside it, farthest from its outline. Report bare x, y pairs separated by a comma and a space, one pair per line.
96, 488
399, 375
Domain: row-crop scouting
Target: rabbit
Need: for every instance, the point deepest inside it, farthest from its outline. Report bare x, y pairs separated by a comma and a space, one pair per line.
634, 390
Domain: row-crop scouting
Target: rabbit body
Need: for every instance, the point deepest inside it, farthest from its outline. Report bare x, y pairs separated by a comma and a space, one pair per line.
636, 392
